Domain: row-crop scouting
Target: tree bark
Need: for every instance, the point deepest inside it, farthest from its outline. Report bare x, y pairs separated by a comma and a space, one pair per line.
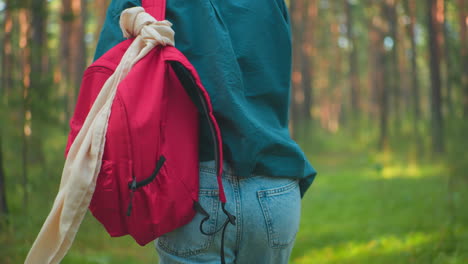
448, 62
336, 72
24, 46
77, 48
394, 83
38, 38
3, 195
308, 51
40, 77
384, 102
353, 60
463, 21
100, 8
435, 30
380, 71
7, 54
410, 8
296, 11
373, 69
65, 61
8, 83
72, 50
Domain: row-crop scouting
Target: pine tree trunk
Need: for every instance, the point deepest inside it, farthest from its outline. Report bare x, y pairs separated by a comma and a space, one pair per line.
100, 8
3, 195
463, 20
296, 11
6, 86
308, 50
77, 49
373, 78
435, 30
38, 37
65, 61
448, 62
353, 60
384, 100
24, 46
394, 83
410, 6
7, 55
39, 77
380, 71
335, 73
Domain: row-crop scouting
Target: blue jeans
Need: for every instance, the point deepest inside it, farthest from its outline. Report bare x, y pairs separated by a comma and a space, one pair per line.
267, 211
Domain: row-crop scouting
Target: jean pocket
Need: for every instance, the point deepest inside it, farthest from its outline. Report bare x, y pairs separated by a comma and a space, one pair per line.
281, 208
188, 240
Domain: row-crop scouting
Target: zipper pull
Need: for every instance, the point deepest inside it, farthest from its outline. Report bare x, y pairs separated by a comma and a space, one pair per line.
132, 186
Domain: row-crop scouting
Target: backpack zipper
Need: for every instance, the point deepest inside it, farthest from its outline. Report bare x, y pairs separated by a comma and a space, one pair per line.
138, 184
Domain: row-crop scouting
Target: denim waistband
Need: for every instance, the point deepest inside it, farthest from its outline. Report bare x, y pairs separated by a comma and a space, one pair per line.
210, 167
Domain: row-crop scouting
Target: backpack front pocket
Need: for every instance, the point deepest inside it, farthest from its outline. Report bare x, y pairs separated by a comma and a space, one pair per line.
105, 204
105, 186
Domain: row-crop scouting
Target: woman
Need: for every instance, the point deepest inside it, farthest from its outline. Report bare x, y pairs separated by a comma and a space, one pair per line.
242, 52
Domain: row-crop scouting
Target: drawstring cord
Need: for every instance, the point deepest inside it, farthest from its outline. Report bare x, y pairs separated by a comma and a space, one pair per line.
231, 219
132, 187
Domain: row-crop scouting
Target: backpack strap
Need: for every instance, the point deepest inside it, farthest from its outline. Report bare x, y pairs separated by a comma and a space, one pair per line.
202, 100
156, 8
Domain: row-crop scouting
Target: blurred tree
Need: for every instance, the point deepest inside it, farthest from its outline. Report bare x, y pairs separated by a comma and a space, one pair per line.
410, 7
100, 9
72, 50
372, 61
463, 21
7, 53
77, 45
449, 71
380, 70
391, 43
410, 10
39, 40
64, 60
39, 76
308, 51
404, 66
435, 22
353, 59
3, 198
39, 67
297, 21
25, 53
336, 105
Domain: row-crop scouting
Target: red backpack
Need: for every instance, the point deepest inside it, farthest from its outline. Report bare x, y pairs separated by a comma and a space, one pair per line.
149, 179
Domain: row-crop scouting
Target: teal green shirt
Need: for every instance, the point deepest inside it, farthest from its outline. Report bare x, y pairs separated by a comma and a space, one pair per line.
242, 52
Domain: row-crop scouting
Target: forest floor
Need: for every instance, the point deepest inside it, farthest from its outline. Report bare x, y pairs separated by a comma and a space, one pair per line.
379, 212
364, 207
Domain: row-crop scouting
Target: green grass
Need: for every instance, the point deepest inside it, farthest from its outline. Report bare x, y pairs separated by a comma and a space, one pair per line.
364, 207
355, 213
382, 208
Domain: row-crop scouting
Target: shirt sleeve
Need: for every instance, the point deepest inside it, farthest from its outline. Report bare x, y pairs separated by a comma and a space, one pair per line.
111, 34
